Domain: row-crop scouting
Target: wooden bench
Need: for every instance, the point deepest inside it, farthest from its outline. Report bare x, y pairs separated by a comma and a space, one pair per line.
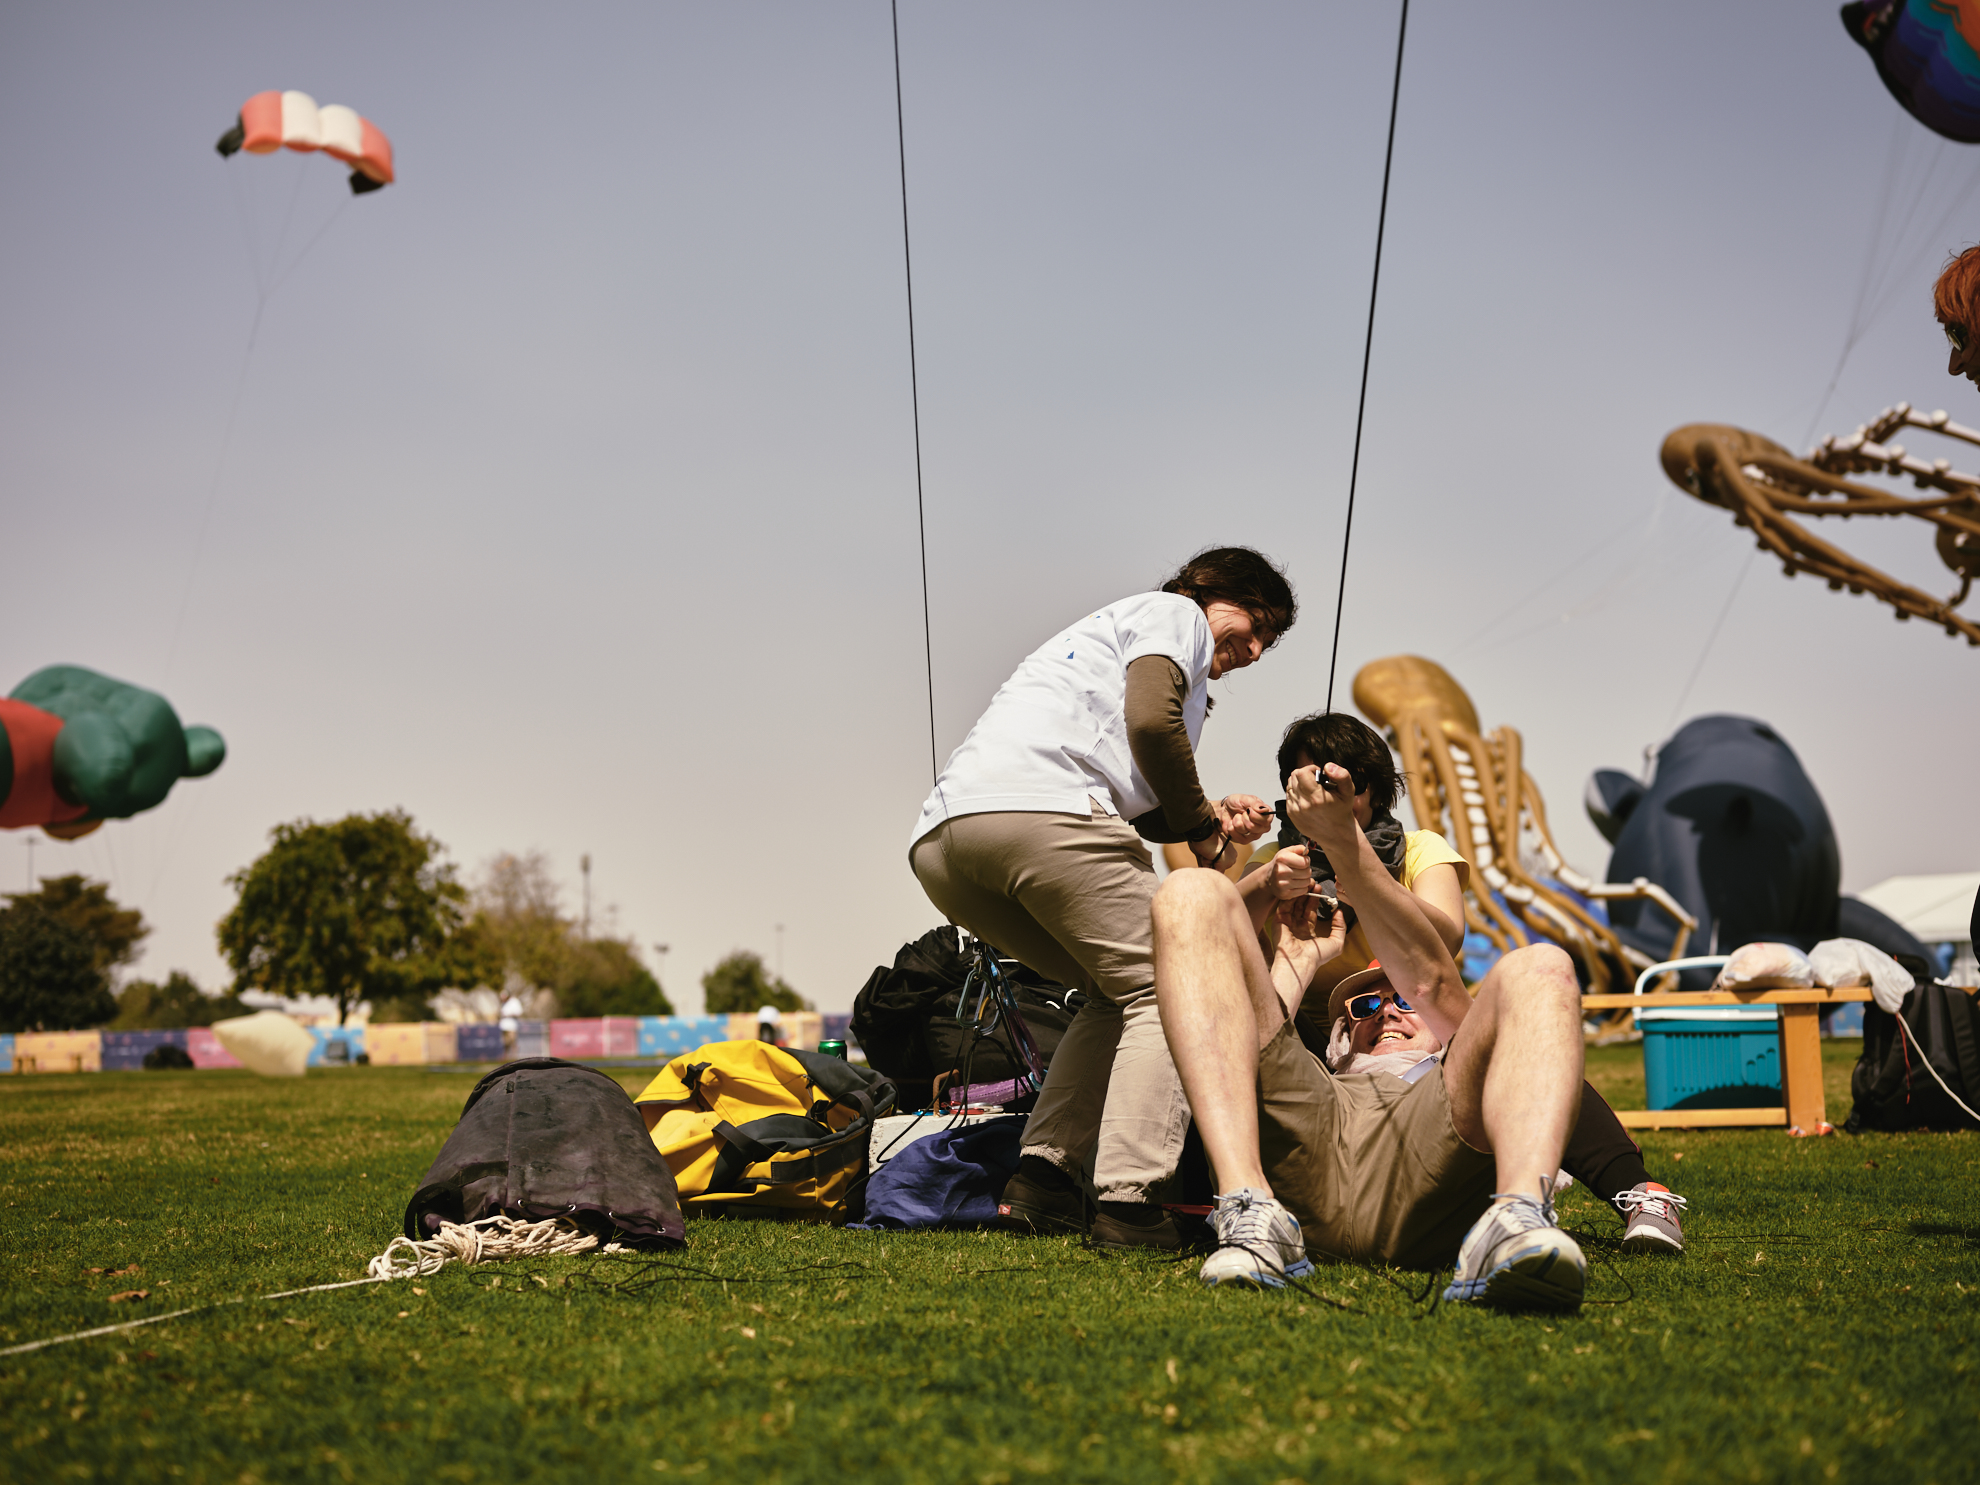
1802, 1103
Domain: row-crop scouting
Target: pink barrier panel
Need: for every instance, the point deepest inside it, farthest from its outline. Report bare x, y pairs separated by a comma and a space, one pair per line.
621, 1038
205, 1050
580, 1039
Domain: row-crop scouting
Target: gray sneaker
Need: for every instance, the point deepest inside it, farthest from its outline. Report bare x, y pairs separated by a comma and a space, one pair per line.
1258, 1243
1650, 1218
1515, 1258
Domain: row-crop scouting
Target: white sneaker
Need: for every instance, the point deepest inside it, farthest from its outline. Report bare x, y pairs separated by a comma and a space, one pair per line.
1515, 1258
1258, 1243
1650, 1218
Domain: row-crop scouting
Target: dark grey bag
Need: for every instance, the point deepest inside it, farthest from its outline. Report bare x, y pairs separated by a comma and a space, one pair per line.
547, 1138
1892, 1084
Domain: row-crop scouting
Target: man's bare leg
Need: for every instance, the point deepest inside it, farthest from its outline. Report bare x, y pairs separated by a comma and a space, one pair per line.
1513, 1075
1219, 1008
1514, 1070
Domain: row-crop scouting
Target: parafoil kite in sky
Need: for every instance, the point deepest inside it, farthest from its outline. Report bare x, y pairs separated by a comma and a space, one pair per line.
272, 121
77, 748
1928, 54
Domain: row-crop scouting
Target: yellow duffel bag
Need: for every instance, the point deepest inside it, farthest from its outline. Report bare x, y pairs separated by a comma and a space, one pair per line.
750, 1127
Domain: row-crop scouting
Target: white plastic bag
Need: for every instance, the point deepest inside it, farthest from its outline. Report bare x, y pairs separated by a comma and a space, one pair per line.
1838, 962
1766, 967
267, 1042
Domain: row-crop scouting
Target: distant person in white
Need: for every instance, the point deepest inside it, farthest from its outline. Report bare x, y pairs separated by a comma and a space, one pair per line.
1032, 840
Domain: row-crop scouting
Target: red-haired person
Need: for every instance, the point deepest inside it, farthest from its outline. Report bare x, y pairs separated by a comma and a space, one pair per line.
1956, 300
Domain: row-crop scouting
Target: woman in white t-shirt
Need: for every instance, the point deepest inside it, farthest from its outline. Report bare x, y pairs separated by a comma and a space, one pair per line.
1032, 840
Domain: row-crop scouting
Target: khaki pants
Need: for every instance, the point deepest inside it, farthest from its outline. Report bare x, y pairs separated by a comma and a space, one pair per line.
1069, 898
1370, 1164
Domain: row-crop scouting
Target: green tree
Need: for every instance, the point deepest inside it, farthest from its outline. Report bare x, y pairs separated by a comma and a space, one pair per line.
608, 980
49, 977
172, 1006
113, 932
742, 983
518, 933
361, 909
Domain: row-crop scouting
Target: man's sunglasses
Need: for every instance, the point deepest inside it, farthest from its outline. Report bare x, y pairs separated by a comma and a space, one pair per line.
1956, 337
1361, 1007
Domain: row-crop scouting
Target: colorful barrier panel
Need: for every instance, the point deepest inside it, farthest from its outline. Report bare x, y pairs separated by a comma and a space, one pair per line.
532, 1039
336, 1046
125, 1051
58, 1051
578, 1039
6, 1051
410, 1043
797, 1029
621, 1036
669, 1036
595, 1038
205, 1050
479, 1042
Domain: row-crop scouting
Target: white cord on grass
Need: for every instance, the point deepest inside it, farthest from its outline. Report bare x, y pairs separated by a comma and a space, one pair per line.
489, 1240
83, 1335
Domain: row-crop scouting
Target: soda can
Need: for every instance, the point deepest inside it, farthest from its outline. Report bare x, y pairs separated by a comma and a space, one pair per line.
833, 1048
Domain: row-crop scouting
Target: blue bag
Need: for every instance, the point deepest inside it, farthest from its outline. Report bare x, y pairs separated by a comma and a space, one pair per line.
949, 1179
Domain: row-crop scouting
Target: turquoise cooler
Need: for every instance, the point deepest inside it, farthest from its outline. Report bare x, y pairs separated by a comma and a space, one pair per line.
1711, 1057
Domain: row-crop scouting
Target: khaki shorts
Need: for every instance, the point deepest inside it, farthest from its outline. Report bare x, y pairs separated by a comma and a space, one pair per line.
1370, 1165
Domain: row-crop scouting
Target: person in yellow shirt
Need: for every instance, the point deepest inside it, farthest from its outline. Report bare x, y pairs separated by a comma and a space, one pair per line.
1422, 860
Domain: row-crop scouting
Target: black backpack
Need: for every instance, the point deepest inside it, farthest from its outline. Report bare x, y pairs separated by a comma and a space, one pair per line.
905, 1018
1891, 1086
547, 1138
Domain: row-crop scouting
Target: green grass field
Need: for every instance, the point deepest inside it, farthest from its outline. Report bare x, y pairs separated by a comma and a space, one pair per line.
1822, 1326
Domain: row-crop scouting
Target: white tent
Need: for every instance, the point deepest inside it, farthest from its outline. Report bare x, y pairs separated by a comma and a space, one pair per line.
1937, 909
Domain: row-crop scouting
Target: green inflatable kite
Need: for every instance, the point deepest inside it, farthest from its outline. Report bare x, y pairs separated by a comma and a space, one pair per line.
77, 748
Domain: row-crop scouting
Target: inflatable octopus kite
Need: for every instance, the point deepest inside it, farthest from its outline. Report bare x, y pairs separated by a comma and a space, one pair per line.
77, 748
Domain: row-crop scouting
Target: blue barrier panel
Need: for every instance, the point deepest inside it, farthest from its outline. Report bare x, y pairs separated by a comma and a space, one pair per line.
336, 1046
1845, 1020
124, 1051
479, 1042
669, 1036
6, 1051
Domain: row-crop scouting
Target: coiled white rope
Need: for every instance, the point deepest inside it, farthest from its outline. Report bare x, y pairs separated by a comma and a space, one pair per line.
490, 1240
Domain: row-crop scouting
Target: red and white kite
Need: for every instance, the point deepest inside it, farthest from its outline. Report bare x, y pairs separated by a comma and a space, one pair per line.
272, 121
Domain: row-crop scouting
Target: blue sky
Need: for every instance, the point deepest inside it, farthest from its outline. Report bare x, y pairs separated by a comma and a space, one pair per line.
569, 500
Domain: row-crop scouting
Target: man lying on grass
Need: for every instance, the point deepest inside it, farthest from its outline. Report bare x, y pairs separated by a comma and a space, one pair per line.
1424, 1133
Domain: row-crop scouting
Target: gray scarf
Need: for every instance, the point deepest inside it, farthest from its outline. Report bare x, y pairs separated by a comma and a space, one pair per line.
1384, 832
